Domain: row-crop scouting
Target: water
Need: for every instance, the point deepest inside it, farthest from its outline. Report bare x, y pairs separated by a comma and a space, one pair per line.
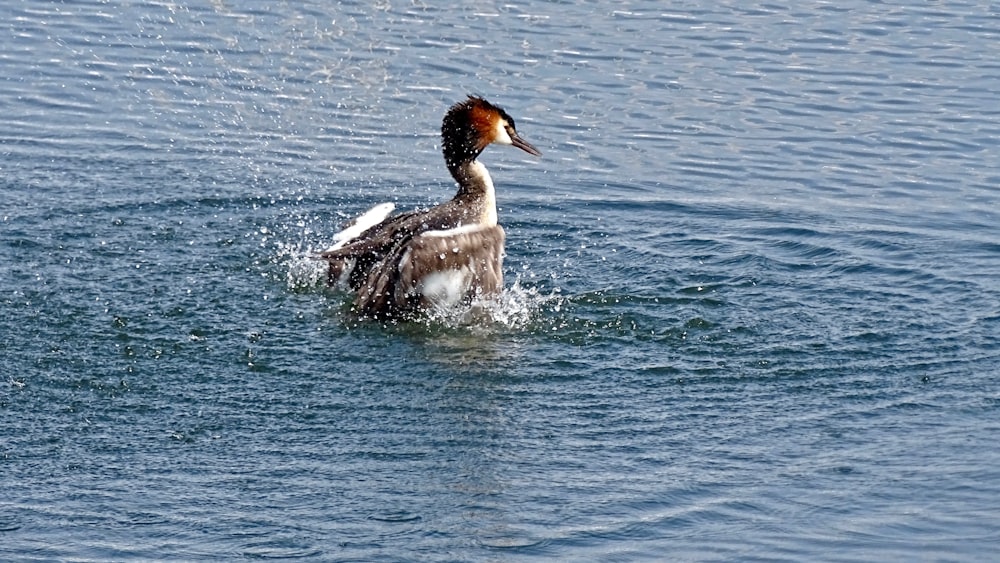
752, 310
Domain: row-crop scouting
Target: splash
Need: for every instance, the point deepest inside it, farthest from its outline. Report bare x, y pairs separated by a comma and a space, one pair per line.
293, 246
518, 306
515, 308
296, 262
304, 272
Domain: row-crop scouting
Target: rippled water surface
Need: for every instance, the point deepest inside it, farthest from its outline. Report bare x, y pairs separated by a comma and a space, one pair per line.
753, 284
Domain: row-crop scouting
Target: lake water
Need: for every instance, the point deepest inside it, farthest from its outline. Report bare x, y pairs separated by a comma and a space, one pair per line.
753, 284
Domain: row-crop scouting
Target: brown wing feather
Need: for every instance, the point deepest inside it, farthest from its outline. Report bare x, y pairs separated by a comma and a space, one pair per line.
358, 256
396, 283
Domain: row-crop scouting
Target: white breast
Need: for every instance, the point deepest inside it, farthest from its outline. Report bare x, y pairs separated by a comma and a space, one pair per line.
446, 288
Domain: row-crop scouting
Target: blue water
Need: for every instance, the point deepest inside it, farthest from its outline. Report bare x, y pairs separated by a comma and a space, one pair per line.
753, 303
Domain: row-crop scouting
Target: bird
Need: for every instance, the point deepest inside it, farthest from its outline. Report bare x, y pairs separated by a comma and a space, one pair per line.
431, 260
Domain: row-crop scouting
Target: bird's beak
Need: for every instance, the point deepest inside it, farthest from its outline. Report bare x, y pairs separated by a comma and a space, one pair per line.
525, 146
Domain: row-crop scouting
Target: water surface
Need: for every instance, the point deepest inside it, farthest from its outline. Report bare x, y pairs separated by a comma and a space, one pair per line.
752, 310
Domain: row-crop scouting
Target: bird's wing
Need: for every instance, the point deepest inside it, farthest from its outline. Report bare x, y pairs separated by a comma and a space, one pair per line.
436, 269
360, 224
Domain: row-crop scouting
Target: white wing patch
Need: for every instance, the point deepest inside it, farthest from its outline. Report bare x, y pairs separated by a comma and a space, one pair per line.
362, 223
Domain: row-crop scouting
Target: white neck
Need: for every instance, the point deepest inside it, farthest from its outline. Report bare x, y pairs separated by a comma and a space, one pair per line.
479, 172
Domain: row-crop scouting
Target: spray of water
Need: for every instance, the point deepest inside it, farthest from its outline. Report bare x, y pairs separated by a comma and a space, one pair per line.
302, 271
516, 307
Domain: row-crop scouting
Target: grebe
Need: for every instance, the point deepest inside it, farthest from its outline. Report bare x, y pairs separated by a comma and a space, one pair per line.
436, 258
